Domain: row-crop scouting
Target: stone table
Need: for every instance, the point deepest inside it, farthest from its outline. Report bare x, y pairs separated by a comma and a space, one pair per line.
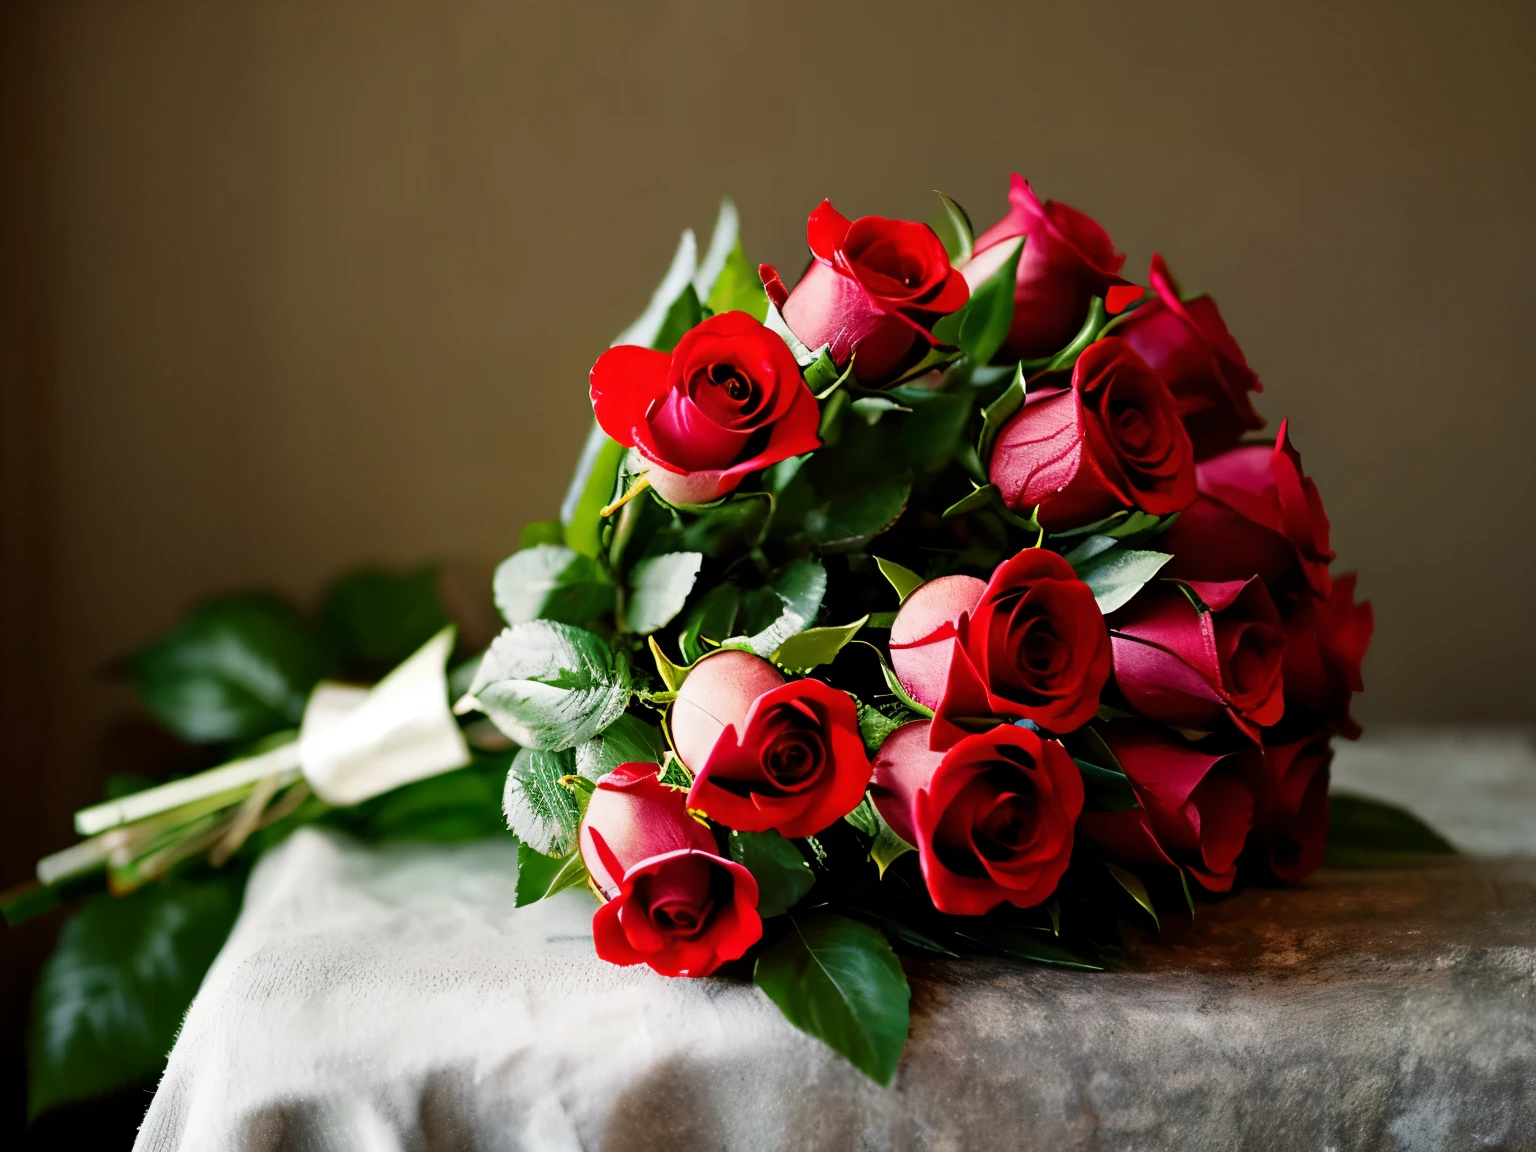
395, 999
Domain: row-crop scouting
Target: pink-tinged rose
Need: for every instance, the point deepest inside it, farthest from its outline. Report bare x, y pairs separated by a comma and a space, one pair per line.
1029, 644
1257, 514
672, 902
1326, 641
768, 754
1188, 345
1111, 440
1196, 807
1067, 260
728, 401
991, 818
875, 288
1291, 825
1189, 668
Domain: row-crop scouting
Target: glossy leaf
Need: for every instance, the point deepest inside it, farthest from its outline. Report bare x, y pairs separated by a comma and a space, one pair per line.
1366, 833
658, 589
838, 980
551, 582
904, 580
900, 693
628, 740
875, 726
999, 412
1105, 789
957, 232
1023, 944
815, 646
591, 488
713, 618
684, 313
988, 314
852, 519
1115, 576
931, 436
737, 288
540, 811
783, 877
234, 669
1133, 885
798, 591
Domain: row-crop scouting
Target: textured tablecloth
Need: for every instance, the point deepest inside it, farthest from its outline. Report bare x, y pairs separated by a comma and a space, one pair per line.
395, 999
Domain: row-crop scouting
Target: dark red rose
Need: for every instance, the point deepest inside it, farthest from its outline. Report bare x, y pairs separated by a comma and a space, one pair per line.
1111, 440
876, 288
766, 753
1188, 668
1325, 644
728, 401
1028, 644
672, 902
991, 818
1187, 344
1067, 260
1257, 514
1196, 807
1291, 824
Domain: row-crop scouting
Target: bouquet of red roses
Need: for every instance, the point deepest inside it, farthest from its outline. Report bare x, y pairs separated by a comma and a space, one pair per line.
947, 599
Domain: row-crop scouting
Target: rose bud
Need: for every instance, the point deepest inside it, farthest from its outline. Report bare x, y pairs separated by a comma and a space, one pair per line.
1187, 344
876, 287
1196, 807
728, 401
1188, 668
991, 818
766, 753
1291, 824
1028, 644
1067, 260
1111, 440
1325, 643
672, 902
1257, 514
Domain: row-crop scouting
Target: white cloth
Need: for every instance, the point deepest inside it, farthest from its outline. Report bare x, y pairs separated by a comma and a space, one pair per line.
394, 998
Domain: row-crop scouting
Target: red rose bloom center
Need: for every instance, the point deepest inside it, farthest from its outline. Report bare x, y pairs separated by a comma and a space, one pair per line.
727, 395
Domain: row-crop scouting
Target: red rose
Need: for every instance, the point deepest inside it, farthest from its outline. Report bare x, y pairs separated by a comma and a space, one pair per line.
1029, 644
1187, 344
1325, 643
1112, 440
1067, 260
876, 287
991, 818
1258, 514
728, 401
766, 753
1188, 668
673, 902
1291, 824
1196, 807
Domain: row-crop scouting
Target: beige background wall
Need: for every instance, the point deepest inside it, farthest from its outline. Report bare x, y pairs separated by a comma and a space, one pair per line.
292, 285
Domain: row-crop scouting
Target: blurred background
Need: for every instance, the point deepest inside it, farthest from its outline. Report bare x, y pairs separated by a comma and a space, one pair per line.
290, 286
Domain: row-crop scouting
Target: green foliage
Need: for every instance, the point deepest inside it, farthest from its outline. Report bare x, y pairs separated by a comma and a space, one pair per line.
464, 804
377, 618
852, 519
1135, 888
838, 980
875, 726
539, 876
1365, 833
628, 740
233, 669
738, 288
932, 434
685, 312
904, 580
815, 646
538, 532
111, 997
713, 618
551, 582
658, 589
1116, 574
591, 489
1025, 944
549, 685
955, 231
999, 412
541, 811
797, 595
783, 877
982, 325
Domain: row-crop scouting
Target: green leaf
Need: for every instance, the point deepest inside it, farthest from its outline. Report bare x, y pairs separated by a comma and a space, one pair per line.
931, 437
674, 773
672, 675
904, 580
541, 532
885, 847
684, 313
815, 646
822, 373
540, 811
956, 232
875, 726
628, 740
838, 980
1105, 789
774, 322
464, 804
987, 316
110, 999
551, 582
737, 288
783, 877
900, 693
1090, 548
1133, 885
540, 876
798, 590
549, 685
591, 488
1093, 324
851, 520
1365, 833
378, 618
987, 498
1023, 944
1118, 574
864, 817
234, 669
658, 589
712, 618
999, 412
